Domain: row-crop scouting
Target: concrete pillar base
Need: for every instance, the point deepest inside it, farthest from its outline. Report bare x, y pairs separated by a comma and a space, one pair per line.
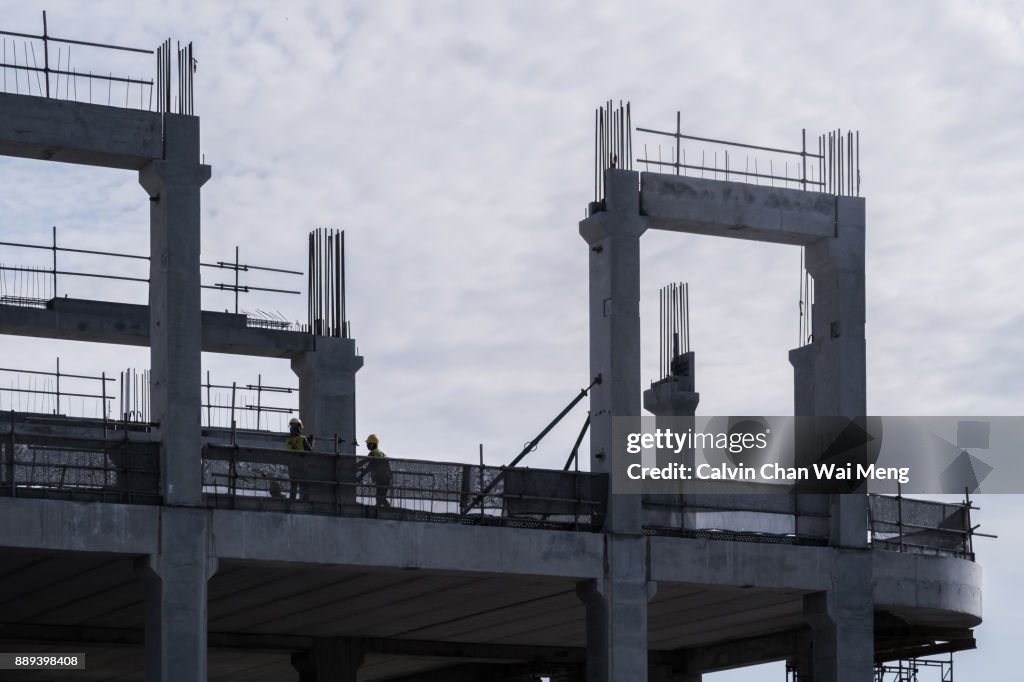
175, 582
842, 645
617, 613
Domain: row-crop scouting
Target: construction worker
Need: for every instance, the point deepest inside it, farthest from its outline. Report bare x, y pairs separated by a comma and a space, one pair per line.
296, 441
379, 469
296, 470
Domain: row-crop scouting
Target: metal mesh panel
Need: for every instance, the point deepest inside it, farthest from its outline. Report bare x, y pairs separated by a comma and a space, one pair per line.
920, 526
127, 471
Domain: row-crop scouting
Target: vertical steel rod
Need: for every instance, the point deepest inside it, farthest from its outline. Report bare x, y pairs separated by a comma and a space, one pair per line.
803, 157
679, 132
344, 313
46, 55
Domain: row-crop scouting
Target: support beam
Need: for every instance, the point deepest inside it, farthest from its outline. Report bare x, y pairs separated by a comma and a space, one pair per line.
127, 324
735, 209
469, 672
742, 652
76, 132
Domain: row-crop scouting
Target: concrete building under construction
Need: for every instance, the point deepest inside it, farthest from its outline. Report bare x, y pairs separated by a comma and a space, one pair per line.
166, 550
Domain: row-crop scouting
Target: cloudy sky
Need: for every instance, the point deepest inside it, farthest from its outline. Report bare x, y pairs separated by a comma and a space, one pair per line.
453, 143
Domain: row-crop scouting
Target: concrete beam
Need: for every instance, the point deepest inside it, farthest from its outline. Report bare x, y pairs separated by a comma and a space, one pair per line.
740, 564
79, 526
735, 209
128, 325
374, 543
73, 132
741, 652
469, 672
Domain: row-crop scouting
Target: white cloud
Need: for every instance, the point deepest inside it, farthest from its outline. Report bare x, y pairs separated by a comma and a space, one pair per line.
453, 142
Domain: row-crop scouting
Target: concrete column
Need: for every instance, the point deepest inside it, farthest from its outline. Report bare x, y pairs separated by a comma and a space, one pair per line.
616, 609
175, 583
613, 234
175, 319
327, 392
335, 659
830, 375
842, 623
830, 372
674, 396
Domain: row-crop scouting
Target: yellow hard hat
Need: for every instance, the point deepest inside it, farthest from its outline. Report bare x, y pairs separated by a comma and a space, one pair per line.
372, 438
295, 422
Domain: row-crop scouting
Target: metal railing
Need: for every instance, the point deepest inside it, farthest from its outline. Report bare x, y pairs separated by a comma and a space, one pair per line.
904, 524
446, 492
34, 285
88, 469
41, 75
831, 164
48, 72
42, 391
246, 406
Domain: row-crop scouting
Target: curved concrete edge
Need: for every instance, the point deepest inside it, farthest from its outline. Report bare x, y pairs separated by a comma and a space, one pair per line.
268, 536
928, 590
741, 564
59, 525
105, 527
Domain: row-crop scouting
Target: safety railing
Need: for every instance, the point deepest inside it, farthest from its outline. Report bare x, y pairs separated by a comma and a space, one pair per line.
745, 517
86, 469
41, 65
446, 492
905, 524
